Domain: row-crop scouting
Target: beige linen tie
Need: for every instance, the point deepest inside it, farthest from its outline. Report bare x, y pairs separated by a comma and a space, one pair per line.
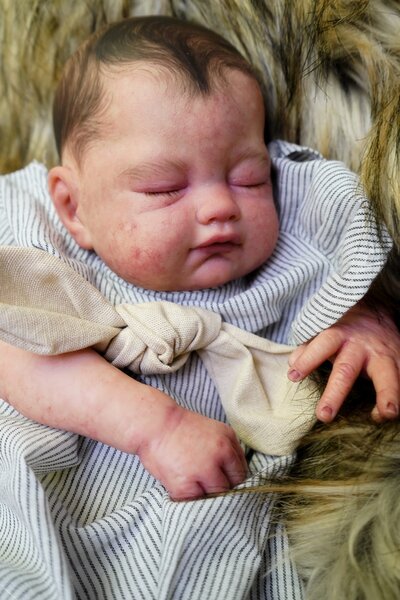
48, 308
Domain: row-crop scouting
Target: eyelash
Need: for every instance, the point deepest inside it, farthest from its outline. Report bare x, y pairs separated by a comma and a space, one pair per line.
170, 193
252, 185
256, 185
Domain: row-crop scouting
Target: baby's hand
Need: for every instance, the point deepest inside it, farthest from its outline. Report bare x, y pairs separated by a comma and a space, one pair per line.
361, 342
194, 455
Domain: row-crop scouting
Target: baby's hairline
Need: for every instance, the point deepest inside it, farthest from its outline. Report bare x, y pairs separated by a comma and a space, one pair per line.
76, 148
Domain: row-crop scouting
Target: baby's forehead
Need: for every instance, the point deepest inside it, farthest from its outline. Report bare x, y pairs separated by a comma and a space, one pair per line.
146, 92
138, 88
141, 71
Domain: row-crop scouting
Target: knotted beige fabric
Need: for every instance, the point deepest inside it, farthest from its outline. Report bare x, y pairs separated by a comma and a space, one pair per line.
48, 308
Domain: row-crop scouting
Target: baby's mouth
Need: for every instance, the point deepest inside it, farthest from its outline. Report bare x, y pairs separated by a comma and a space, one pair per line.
218, 247
219, 244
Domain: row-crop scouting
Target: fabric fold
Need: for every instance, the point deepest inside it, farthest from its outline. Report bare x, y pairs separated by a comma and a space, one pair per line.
48, 308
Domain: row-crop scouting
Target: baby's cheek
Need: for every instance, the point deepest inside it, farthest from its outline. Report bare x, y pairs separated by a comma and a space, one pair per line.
149, 258
150, 254
136, 255
264, 236
149, 268
267, 227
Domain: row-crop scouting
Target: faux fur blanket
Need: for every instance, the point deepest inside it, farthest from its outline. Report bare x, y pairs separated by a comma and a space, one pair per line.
331, 80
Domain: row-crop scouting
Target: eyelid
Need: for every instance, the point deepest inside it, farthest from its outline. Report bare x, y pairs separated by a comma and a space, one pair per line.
255, 185
169, 193
250, 184
250, 174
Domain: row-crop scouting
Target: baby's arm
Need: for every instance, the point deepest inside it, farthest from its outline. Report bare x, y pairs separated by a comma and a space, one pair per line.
81, 392
362, 341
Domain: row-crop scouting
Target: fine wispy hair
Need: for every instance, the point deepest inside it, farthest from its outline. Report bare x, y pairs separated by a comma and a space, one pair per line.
330, 73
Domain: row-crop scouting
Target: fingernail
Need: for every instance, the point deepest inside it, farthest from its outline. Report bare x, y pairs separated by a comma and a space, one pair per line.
326, 413
294, 375
392, 409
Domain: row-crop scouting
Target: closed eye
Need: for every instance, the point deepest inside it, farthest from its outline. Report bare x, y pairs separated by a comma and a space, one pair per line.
255, 184
165, 193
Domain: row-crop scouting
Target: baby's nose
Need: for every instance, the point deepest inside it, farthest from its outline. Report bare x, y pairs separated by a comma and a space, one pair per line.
217, 204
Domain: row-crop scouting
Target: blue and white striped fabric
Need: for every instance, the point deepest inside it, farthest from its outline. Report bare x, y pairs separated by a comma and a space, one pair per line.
79, 519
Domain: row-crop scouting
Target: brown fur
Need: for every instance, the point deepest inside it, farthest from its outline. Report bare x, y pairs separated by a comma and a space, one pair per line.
330, 71
342, 510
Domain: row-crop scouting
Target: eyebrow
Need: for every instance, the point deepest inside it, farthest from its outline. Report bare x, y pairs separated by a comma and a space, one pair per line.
152, 168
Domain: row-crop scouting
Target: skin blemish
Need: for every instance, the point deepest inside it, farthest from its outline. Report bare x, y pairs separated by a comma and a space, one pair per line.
137, 254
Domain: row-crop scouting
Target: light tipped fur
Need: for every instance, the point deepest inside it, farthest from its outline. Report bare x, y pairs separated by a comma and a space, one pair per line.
344, 515
330, 71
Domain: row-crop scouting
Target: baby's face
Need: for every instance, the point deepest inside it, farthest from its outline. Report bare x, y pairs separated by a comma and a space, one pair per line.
176, 192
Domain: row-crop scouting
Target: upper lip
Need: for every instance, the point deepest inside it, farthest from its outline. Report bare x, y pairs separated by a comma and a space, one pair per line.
221, 239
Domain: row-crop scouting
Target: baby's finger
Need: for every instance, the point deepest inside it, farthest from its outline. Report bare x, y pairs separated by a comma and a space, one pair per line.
297, 352
384, 373
308, 357
235, 467
188, 490
211, 480
216, 481
346, 368
238, 452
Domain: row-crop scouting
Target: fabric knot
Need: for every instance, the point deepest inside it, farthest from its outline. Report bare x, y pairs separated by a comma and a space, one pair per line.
159, 336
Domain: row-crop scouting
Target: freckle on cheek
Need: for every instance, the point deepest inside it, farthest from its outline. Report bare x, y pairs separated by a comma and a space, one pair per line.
154, 261
137, 254
150, 259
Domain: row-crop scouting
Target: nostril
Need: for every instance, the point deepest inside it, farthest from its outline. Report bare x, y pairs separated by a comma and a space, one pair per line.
220, 218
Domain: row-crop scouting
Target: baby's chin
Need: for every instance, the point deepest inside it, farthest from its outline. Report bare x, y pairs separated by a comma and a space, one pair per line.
208, 278
189, 284
219, 272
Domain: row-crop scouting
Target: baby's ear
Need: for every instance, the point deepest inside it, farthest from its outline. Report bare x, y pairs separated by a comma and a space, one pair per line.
64, 191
